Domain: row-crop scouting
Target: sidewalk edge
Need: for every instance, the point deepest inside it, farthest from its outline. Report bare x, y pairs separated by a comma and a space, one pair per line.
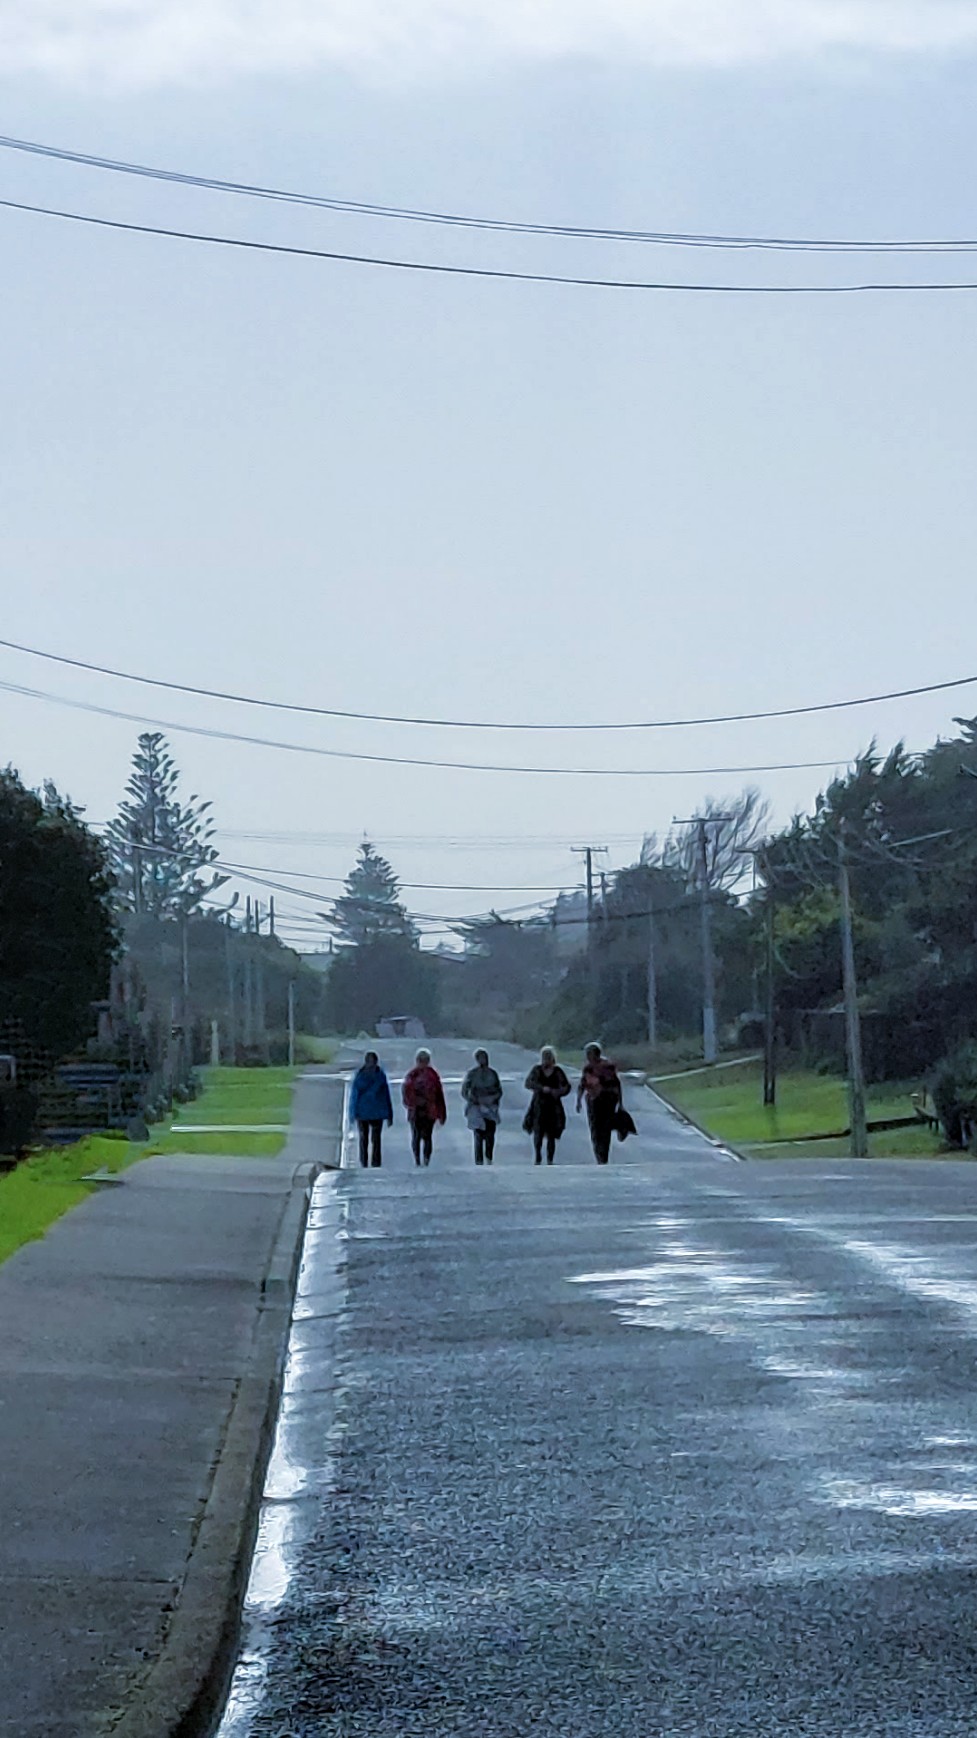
185, 1687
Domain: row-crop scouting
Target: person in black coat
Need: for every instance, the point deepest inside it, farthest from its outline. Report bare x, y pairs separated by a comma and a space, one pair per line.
546, 1118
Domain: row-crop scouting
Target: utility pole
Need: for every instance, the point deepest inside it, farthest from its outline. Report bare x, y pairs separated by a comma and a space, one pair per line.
589, 852
770, 1007
853, 1025
185, 971
231, 998
248, 980
291, 1024
652, 979
271, 915
710, 1047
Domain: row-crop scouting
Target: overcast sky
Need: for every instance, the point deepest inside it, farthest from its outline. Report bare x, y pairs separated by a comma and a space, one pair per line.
380, 491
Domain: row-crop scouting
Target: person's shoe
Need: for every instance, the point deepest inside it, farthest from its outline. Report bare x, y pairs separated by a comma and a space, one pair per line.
478, 1161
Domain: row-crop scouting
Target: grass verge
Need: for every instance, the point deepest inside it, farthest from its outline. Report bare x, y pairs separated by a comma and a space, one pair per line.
728, 1102
50, 1183
247, 1096
316, 1050
46, 1185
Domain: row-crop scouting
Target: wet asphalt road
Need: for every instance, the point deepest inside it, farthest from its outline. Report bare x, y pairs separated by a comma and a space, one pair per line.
679, 1446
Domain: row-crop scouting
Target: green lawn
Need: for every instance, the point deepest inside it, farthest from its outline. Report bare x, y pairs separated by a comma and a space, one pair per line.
49, 1183
311, 1049
728, 1102
233, 1095
34, 1195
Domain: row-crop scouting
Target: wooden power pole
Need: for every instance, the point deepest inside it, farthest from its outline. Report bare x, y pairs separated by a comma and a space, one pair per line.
853, 1024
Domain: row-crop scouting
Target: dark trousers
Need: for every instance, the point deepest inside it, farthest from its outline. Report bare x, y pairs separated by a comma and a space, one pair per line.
484, 1143
370, 1135
601, 1112
538, 1139
422, 1139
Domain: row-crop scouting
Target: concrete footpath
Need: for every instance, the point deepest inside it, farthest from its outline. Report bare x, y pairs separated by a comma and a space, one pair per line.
141, 1348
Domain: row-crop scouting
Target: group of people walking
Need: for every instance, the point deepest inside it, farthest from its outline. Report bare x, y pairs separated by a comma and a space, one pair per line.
599, 1088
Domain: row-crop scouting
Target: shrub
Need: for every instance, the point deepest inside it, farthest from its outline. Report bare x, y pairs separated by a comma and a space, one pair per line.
954, 1090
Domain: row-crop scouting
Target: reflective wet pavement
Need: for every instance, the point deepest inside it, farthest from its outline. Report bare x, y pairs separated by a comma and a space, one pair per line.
676, 1446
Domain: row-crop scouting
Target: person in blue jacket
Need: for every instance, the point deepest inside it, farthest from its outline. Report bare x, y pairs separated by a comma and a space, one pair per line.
371, 1106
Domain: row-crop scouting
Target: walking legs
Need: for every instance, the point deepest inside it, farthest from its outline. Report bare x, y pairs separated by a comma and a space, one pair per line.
371, 1134
600, 1114
538, 1139
421, 1133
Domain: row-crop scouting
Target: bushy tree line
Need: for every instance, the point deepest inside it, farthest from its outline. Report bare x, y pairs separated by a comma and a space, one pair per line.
908, 824
58, 923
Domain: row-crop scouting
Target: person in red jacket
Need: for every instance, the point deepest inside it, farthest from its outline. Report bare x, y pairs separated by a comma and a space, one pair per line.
423, 1097
600, 1086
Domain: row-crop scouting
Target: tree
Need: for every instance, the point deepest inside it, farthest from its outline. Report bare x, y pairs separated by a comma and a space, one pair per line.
734, 830
57, 929
380, 969
161, 848
387, 975
370, 907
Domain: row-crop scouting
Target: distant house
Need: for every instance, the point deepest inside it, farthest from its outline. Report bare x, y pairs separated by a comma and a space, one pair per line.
401, 1026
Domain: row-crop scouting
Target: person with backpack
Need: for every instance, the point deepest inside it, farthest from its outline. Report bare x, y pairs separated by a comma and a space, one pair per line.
370, 1106
482, 1093
423, 1097
600, 1086
546, 1118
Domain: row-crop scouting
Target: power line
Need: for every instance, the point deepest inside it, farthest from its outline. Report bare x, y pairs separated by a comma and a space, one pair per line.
498, 273
509, 226
222, 862
481, 724
408, 760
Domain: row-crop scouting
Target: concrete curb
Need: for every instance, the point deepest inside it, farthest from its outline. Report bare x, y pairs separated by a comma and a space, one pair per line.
186, 1687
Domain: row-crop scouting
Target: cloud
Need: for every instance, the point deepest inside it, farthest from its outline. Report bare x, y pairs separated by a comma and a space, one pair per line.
143, 42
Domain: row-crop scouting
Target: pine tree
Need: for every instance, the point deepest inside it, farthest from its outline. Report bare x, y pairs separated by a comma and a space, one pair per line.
370, 907
160, 847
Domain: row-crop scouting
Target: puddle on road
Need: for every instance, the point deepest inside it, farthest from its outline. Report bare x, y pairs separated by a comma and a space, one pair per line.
899, 1500
693, 1288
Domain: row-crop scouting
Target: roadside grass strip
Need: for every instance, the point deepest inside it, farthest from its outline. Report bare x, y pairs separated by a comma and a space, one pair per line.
728, 1102
49, 1183
240, 1110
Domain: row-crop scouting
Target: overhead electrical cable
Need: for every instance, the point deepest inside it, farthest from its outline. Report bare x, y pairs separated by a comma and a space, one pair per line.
221, 862
409, 760
443, 269
507, 226
481, 723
